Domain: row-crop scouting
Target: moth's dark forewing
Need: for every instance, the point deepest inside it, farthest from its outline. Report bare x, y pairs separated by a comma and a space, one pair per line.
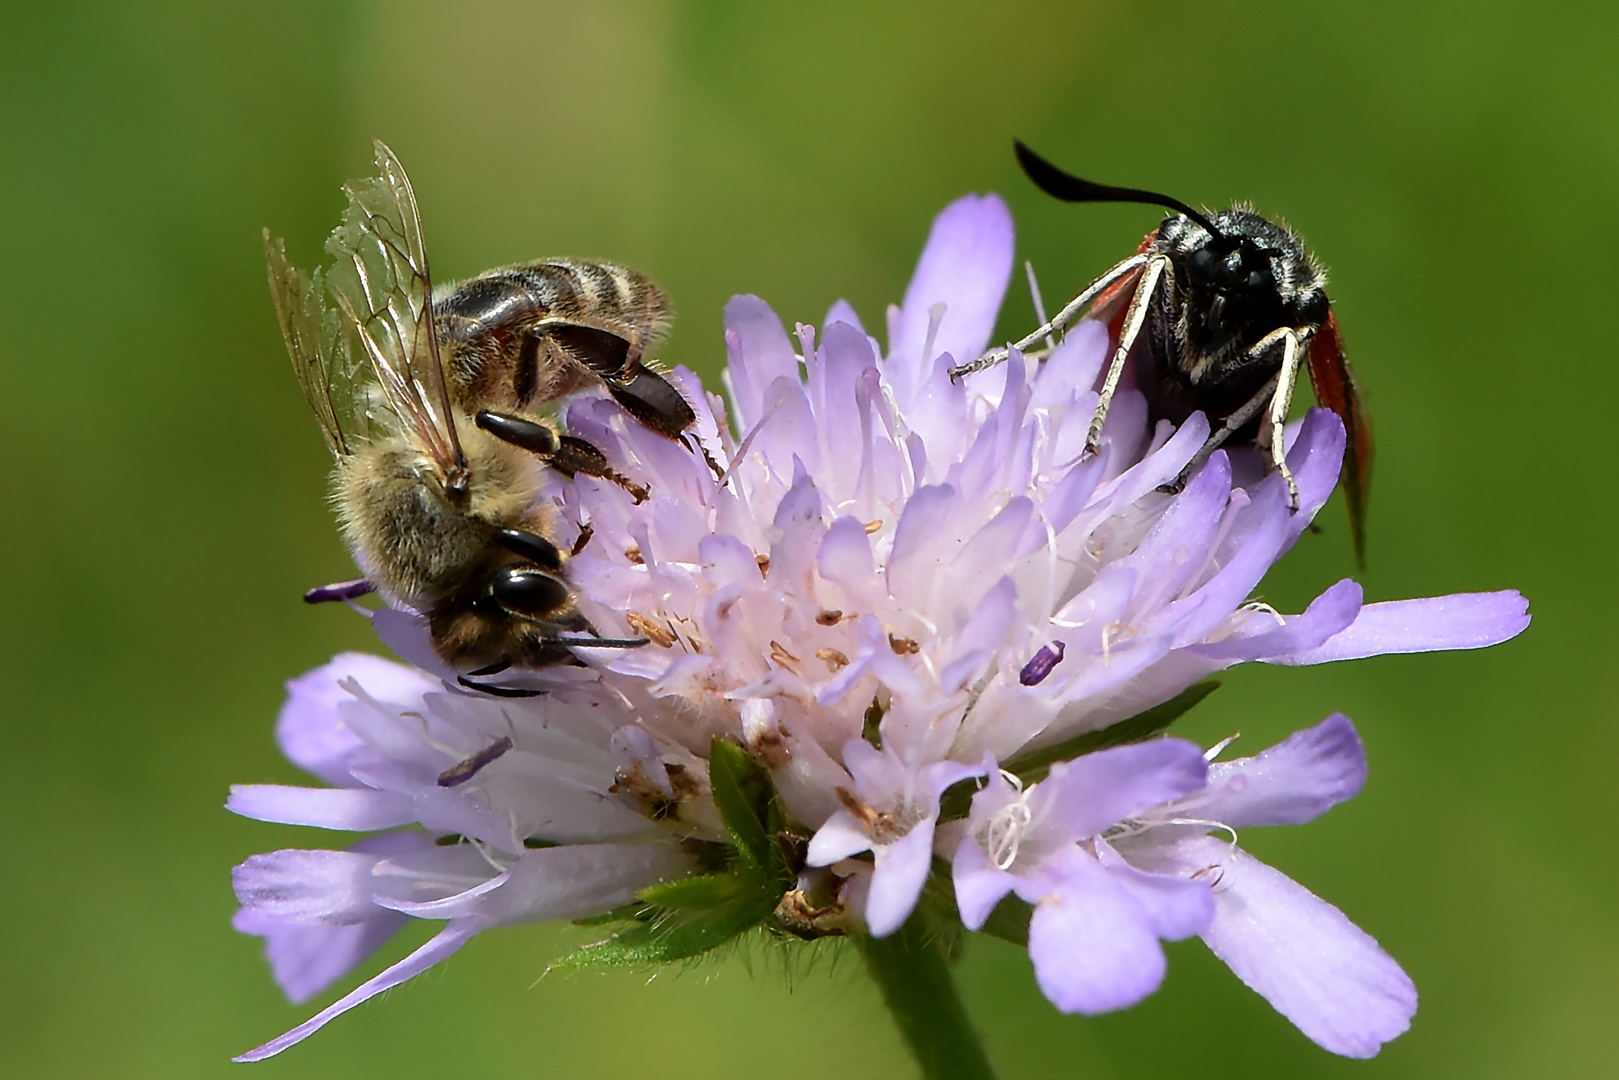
1335, 389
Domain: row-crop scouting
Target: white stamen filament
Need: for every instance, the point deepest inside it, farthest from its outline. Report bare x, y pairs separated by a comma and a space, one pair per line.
1004, 833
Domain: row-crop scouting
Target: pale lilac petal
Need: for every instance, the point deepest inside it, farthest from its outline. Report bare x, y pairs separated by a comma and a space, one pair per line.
842, 311
896, 882
566, 882
1457, 621
309, 729
842, 836
966, 266
353, 809
1175, 907
880, 777
845, 555
914, 563
760, 354
1090, 793
846, 358
294, 885
1317, 968
1092, 948
431, 874
980, 884
935, 779
406, 635
1290, 783
1164, 559
305, 959
448, 940
1262, 637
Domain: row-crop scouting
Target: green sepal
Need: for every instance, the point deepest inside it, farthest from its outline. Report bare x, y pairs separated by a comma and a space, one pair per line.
1033, 766
673, 936
700, 893
634, 910
742, 793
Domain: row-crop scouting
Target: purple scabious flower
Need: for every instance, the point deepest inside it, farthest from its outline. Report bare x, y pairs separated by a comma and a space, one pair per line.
884, 590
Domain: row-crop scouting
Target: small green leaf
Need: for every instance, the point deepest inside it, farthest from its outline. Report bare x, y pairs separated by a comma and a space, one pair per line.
1034, 766
743, 794
701, 892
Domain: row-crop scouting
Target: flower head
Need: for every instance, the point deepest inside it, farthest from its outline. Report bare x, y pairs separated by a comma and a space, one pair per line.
874, 583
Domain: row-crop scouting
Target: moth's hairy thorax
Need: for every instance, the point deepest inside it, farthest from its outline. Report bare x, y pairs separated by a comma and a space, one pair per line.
1200, 329
416, 540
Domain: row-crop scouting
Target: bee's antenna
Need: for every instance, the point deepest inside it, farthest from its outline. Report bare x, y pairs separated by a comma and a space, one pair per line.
603, 642
1070, 188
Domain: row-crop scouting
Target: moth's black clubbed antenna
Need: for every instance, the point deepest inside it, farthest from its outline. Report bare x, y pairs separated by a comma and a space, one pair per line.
1070, 188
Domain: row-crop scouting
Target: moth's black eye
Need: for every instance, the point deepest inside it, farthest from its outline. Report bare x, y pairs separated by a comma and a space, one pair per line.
1256, 280
1203, 260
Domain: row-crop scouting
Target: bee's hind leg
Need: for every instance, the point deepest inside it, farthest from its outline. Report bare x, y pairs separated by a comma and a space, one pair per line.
564, 453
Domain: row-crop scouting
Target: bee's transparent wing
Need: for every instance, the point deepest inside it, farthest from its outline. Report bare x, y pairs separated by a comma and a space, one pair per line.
318, 346
381, 283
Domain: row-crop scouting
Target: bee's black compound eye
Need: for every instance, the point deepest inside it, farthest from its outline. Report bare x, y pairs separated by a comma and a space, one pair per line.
536, 549
530, 591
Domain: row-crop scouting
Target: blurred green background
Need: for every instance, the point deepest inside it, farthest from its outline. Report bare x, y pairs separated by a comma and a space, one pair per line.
1454, 163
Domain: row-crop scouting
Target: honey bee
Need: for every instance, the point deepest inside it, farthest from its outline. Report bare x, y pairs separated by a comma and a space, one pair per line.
436, 492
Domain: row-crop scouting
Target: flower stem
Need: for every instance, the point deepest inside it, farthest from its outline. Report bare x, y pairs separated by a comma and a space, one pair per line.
911, 971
